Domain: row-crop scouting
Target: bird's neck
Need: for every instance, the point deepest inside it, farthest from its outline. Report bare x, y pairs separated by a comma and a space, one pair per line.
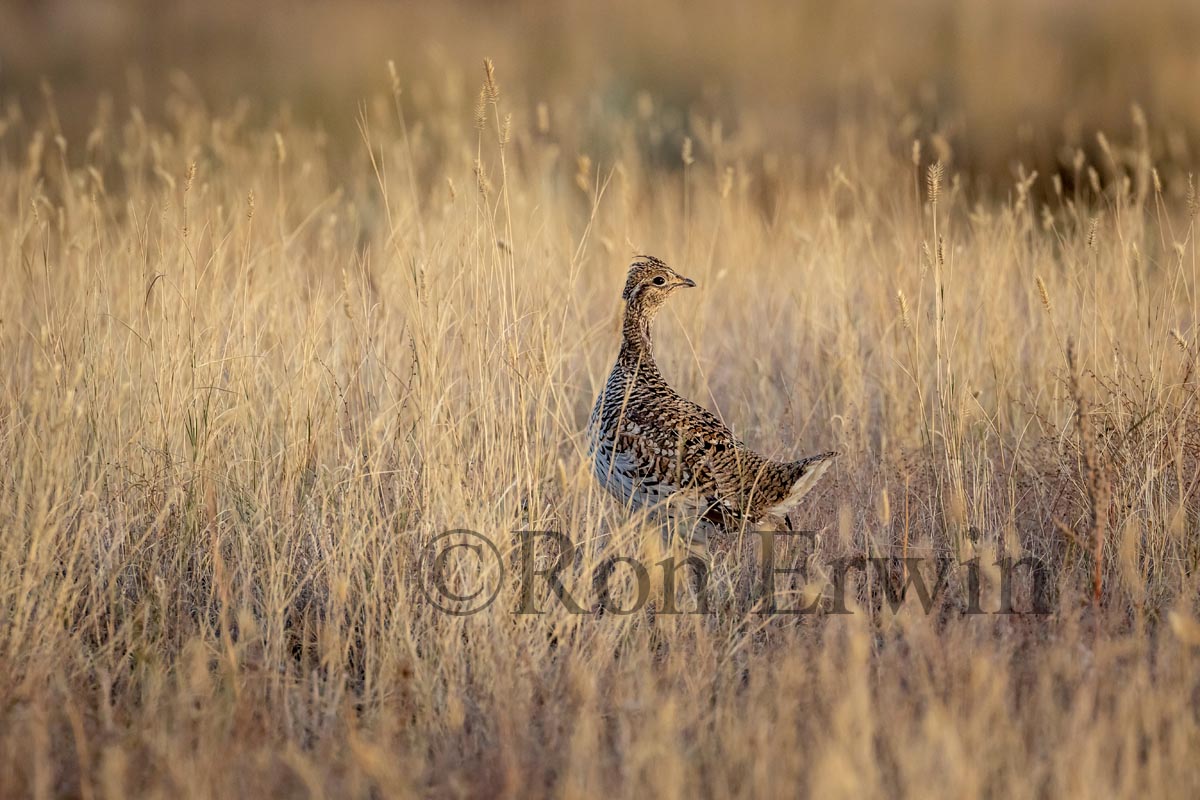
636, 344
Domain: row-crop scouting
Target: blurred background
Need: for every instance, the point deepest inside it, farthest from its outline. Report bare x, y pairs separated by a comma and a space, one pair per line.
990, 83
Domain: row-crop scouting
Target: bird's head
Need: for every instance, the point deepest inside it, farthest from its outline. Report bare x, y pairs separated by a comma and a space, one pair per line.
651, 282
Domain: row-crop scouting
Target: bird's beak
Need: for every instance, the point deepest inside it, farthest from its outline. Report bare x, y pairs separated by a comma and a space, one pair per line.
688, 282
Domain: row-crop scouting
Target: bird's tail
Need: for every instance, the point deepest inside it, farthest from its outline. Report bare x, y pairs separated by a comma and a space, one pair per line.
804, 476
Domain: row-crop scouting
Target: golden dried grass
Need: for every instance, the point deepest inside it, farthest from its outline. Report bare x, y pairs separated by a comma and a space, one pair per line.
245, 381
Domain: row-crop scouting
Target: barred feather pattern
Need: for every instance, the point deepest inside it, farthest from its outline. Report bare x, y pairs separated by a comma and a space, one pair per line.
652, 448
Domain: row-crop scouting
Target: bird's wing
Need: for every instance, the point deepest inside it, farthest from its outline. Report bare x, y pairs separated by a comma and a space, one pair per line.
666, 457
745, 484
722, 462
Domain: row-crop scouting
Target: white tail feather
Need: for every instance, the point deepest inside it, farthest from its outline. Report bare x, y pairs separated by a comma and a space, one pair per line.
801, 487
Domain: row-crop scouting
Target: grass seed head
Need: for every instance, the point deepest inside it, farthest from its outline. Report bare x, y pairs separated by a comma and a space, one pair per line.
394, 77
490, 87
933, 181
1043, 293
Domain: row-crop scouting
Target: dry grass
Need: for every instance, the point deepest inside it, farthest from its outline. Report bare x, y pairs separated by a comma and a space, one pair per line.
985, 83
244, 382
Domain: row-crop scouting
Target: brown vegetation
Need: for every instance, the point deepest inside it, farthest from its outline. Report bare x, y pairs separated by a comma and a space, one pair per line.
249, 369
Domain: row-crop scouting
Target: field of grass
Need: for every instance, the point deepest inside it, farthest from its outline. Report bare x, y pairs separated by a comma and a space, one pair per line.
251, 369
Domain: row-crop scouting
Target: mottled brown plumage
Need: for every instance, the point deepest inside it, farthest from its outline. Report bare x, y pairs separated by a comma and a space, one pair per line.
652, 448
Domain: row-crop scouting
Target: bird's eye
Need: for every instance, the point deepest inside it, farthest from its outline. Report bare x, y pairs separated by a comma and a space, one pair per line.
660, 281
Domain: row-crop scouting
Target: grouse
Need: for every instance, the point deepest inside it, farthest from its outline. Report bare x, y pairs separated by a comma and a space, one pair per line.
652, 448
